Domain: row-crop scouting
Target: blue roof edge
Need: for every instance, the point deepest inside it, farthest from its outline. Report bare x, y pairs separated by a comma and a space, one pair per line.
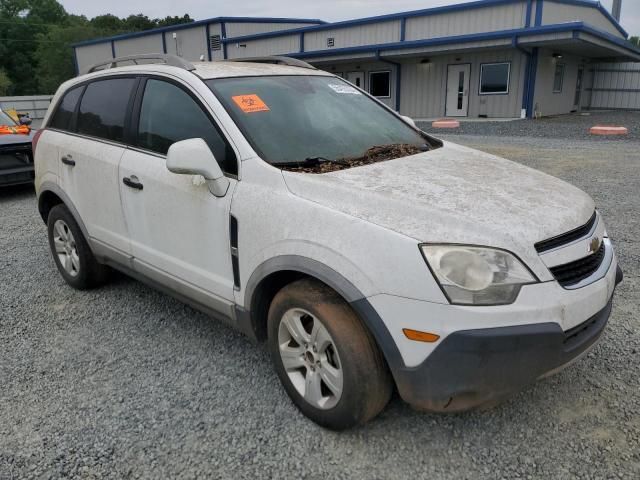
197, 23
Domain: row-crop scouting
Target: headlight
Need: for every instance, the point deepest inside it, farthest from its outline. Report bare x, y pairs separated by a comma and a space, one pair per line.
477, 275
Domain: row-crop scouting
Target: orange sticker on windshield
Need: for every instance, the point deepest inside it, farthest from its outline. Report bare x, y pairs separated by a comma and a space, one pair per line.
250, 103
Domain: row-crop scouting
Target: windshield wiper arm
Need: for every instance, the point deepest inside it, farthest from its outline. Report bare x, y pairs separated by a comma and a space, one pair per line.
318, 160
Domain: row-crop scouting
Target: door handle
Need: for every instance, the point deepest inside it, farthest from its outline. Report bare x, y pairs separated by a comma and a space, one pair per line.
132, 182
67, 160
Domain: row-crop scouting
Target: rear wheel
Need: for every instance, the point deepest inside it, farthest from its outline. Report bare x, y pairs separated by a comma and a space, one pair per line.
71, 252
326, 359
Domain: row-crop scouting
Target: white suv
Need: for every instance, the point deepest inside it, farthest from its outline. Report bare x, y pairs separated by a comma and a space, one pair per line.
302, 211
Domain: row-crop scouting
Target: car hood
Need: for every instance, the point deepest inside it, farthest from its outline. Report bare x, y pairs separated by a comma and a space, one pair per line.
453, 195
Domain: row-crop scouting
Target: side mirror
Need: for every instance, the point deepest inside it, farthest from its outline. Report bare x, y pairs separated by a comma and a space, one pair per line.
409, 120
194, 157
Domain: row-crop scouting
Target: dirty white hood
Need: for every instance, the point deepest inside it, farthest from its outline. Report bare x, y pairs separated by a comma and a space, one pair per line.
455, 195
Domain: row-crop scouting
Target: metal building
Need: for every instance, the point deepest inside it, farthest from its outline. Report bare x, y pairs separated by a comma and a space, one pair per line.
488, 58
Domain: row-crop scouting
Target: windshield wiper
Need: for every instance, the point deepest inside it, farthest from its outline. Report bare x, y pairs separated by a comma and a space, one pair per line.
311, 162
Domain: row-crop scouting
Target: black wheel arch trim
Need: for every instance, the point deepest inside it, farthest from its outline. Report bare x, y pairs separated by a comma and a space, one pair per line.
57, 191
336, 281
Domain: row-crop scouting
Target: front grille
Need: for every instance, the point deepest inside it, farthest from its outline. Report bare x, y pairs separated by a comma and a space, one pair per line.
566, 238
572, 273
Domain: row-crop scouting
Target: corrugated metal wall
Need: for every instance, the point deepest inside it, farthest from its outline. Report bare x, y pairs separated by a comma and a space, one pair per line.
132, 46
553, 13
190, 43
376, 33
239, 29
92, 54
487, 19
546, 102
424, 86
614, 86
272, 46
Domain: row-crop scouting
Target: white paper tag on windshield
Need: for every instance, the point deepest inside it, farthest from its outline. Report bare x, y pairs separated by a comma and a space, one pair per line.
341, 88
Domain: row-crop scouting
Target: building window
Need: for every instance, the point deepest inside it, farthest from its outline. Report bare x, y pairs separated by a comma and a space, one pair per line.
558, 78
494, 78
215, 43
380, 84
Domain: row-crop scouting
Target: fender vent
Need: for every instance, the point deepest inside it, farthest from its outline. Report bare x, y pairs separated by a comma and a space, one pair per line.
233, 241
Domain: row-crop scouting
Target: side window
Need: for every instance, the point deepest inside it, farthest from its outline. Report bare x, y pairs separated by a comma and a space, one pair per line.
103, 108
558, 78
169, 114
63, 115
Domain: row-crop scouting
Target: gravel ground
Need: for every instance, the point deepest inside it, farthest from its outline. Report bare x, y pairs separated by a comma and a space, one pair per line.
124, 382
566, 127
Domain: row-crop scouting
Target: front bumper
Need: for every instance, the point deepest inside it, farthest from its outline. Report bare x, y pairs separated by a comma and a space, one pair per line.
475, 367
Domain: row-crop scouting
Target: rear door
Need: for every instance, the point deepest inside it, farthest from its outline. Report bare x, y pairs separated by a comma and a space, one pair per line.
90, 158
179, 230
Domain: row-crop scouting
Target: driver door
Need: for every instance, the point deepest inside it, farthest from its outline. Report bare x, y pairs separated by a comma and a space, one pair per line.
179, 230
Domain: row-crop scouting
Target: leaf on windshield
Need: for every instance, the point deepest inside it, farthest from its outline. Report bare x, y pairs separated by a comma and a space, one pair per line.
373, 155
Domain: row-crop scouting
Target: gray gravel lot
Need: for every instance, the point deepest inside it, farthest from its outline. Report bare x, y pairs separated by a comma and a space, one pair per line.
124, 382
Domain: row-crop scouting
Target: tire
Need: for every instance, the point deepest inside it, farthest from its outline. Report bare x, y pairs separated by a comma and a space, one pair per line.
339, 379
71, 252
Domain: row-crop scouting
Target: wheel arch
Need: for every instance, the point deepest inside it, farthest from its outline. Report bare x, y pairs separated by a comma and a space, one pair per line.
50, 195
274, 274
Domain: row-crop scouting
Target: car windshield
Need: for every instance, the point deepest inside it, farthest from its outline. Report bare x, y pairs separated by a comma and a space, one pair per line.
297, 119
6, 119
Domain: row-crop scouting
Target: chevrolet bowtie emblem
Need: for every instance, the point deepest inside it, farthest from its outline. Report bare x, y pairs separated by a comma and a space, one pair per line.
594, 245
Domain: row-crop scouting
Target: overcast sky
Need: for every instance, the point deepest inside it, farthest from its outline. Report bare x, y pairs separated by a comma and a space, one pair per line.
329, 10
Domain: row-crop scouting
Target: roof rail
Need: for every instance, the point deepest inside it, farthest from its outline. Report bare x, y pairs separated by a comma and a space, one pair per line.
170, 60
278, 60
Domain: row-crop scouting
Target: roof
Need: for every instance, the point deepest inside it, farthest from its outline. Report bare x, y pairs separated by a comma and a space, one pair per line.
473, 5
206, 21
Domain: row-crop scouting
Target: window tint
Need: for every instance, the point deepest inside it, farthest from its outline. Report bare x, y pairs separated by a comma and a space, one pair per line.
169, 114
103, 108
558, 79
380, 84
62, 117
494, 78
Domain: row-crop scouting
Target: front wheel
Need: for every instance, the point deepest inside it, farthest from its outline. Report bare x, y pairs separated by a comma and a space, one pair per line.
326, 359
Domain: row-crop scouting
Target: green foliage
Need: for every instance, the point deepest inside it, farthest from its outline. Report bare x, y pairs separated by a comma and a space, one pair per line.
36, 38
5, 83
635, 40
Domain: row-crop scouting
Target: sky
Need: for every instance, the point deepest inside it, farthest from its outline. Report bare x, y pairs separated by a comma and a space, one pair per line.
329, 10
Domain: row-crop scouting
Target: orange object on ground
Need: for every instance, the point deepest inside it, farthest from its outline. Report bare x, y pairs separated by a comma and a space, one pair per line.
608, 130
14, 130
446, 123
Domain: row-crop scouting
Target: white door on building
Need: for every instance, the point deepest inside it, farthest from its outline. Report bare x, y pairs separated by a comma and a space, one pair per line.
458, 90
357, 78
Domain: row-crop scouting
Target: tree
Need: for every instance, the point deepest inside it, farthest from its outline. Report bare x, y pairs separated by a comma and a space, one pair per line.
635, 41
5, 83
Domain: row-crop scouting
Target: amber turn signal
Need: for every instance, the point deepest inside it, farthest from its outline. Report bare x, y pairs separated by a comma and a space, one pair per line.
420, 336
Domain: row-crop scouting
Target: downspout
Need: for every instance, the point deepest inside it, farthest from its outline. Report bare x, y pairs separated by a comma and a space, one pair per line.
398, 76
529, 77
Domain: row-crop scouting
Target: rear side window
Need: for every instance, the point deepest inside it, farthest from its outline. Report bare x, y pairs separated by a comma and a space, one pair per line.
103, 108
169, 114
66, 108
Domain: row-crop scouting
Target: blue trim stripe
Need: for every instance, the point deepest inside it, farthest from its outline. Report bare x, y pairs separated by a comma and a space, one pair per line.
301, 42
223, 31
75, 61
527, 22
403, 29
533, 72
173, 28
207, 34
539, 9
113, 49
164, 43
